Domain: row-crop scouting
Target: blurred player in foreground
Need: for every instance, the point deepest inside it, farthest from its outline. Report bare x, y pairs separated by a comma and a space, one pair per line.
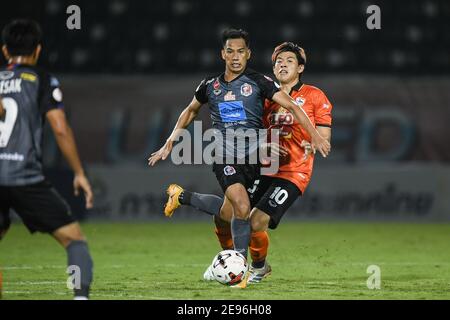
236, 99
29, 96
271, 195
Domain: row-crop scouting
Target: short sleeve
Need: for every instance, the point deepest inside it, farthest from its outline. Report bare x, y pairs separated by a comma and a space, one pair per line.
200, 92
322, 110
267, 86
51, 95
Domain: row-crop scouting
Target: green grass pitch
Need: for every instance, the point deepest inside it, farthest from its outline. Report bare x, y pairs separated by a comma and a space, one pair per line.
166, 260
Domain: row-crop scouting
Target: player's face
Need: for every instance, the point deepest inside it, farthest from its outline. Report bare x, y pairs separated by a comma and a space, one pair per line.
236, 54
286, 68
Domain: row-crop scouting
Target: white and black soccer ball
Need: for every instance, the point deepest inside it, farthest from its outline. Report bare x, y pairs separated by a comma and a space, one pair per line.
229, 267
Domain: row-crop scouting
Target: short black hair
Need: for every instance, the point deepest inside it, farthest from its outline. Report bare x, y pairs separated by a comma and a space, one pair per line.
21, 36
290, 47
235, 34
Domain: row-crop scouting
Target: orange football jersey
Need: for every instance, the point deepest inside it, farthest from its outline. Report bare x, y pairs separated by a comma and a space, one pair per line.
296, 167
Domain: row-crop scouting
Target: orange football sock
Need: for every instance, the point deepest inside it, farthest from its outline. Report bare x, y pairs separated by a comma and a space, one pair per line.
259, 245
225, 238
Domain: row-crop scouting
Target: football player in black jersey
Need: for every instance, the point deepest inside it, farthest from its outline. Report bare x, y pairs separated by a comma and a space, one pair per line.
29, 97
236, 100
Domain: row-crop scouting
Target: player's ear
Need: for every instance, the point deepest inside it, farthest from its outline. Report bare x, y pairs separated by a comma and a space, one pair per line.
5, 52
223, 53
301, 68
249, 53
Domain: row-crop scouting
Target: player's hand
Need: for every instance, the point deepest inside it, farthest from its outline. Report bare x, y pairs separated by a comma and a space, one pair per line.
321, 144
81, 182
305, 144
161, 153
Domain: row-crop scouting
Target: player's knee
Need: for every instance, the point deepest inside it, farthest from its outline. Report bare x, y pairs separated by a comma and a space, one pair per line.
242, 209
259, 223
66, 235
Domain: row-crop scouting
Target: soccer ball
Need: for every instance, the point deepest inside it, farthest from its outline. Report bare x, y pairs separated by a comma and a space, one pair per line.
229, 267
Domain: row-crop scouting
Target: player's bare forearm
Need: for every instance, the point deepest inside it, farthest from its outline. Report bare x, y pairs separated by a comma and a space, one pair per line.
325, 132
286, 101
2, 110
185, 118
65, 139
317, 141
67, 145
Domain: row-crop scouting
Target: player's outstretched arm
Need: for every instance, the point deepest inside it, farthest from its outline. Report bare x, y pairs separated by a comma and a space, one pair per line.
66, 143
185, 118
317, 141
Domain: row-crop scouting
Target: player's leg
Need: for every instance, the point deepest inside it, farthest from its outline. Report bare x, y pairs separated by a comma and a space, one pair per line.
240, 224
207, 203
267, 213
222, 224
223, 232
42, 209
72, 239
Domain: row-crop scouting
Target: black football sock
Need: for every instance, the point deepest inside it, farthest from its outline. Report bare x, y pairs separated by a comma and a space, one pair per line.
259, 264
207, 203
78, 255
241, 232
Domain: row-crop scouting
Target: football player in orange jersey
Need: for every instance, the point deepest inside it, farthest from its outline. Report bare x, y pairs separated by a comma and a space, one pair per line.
271, 195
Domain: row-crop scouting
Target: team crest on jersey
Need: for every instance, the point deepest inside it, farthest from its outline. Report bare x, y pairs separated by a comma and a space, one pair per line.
246, 90
5, 75
216, 86
229, 96
229, 170
300, 101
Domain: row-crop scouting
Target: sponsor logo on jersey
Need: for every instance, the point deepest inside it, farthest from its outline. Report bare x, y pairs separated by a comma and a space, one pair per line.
5, 75
281, 118
229, 96
28, 76
229, 170
300, 101
232, 111
12, 157
246, 90
10, 86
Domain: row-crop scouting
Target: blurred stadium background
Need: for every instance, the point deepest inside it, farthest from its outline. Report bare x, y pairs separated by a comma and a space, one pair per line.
134, 65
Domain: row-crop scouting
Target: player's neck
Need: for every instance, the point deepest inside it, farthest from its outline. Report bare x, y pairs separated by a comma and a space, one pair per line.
287, 87
230, 76
29, 60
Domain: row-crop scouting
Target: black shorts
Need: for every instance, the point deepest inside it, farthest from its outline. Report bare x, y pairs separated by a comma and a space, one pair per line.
39, 205
274, 196
228, 174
